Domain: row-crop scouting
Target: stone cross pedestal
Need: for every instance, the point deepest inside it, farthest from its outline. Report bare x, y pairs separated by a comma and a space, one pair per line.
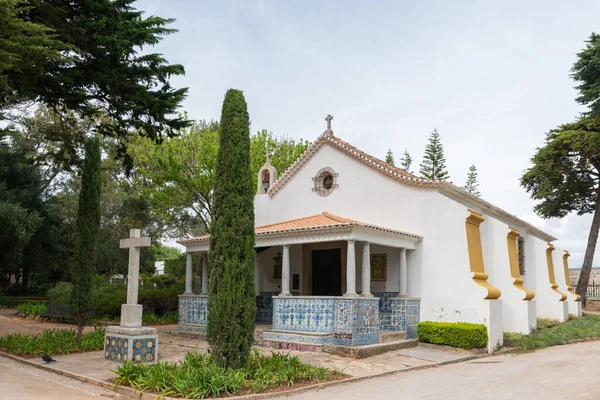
130, 341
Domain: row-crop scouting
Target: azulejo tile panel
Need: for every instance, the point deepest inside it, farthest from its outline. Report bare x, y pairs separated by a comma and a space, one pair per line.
292, 346
193, 310
144, 350
303, 314
115, 348
356, 321
296, 338
264, 307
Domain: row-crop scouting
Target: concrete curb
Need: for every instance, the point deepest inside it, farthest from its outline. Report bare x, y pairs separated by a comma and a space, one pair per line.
141, 395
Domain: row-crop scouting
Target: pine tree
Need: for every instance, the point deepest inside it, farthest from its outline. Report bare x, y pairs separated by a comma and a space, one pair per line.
232, 304
87, 231
406, 161
389, 157
433, 166
472, 186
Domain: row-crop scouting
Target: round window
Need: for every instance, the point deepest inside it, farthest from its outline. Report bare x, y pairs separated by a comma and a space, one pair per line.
325, 181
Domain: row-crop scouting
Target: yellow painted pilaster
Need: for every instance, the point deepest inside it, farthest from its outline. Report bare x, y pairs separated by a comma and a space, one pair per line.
476, 255
551, 277
567, 277
513, 259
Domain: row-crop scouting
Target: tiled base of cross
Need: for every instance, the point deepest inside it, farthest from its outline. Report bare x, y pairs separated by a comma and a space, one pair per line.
138, 345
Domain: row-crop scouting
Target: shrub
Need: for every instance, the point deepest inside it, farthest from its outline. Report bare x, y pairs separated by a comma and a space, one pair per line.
9, 302
61, 293
455, 334
198, 376
159, 301
30, 309
53, 341
545, 323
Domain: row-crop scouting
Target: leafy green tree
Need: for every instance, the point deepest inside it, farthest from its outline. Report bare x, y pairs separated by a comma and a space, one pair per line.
472, 185
564, 178
433, 166
389, 157
102, 71
25, 48
88, 228
178, 176
232, 303
406, 161
586, 71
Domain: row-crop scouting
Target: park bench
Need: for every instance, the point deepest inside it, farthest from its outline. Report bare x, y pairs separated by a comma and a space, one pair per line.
57, 310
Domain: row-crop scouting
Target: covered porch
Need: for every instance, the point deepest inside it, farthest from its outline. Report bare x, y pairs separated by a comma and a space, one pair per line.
320, 280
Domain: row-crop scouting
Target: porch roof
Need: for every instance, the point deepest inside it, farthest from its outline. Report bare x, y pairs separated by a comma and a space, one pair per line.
320, 223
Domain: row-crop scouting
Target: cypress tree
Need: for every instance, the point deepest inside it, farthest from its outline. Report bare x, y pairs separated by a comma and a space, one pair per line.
389, 157
472, 186
406, 161
87, 231
232, 304
433, 166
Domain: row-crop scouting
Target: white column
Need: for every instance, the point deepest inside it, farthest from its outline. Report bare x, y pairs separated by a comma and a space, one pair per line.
204, 273
285, 271
403, 273
366, 270
350, 270
188, 274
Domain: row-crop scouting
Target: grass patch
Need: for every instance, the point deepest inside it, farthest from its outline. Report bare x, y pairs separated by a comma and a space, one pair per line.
30, 309
550, 333
53, 341
199, 377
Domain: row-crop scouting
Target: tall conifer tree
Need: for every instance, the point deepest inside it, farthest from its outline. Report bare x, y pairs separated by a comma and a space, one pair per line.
472, 186
88, 229
232, 303
389, 157
433, 166
406, 161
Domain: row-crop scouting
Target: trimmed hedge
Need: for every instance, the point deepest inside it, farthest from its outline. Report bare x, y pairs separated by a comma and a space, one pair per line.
456, 334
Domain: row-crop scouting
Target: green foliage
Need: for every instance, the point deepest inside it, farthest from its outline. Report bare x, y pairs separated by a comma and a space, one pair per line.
565, 177
545, 323
433, 166
53, 341
232, 302
88, 227
178, 176
31, 309
176, 267
199, 376
456, 334
586, 71
472, 186
406, 161
169, 317
389, 157
9, 302
103, 72
549, 333
61, 293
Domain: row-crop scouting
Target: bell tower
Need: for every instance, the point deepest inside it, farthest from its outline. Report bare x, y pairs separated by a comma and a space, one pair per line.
267, 175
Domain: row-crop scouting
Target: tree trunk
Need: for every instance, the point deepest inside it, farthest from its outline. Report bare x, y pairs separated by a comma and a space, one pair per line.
586, 268
80, 329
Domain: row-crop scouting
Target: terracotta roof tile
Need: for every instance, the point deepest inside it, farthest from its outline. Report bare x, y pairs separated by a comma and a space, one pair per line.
316, 222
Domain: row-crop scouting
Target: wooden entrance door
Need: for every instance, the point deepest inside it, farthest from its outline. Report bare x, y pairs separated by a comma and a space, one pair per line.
327, 272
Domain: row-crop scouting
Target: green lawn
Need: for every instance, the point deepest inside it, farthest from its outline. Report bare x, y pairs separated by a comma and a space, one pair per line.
550, 334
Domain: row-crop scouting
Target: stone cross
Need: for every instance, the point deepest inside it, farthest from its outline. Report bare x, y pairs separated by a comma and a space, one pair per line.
129, 316
268, 155
328, 118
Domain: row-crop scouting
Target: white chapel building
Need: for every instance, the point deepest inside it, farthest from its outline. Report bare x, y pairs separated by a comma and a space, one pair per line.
349, 247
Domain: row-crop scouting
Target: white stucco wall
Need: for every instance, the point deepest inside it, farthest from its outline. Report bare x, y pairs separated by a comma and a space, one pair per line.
548, 304
515, 311
266, 263
573, 306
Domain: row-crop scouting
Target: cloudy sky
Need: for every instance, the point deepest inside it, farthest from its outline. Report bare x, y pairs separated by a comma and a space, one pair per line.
493, 77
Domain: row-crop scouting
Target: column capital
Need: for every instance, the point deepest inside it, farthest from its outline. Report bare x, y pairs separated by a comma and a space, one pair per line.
351, 241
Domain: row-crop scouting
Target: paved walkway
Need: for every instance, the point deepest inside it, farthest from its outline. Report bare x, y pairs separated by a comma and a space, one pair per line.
557, 373
21, 382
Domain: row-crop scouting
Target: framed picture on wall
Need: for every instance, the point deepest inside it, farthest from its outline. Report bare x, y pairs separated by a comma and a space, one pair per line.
378, 267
